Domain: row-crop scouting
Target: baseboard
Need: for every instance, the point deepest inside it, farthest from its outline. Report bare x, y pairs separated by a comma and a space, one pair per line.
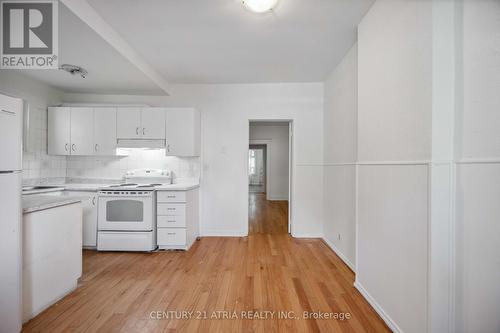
340, 254
277, 198
385, 317
222, 233
306, 235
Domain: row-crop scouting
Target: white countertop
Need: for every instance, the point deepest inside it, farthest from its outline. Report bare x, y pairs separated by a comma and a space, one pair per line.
36, 202
83, 187
177, 187
57, 188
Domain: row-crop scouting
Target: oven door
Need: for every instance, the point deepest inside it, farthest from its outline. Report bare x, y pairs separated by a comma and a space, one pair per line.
125, 213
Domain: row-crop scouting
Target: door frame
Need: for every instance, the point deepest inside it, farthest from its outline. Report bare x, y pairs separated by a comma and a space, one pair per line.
268, 158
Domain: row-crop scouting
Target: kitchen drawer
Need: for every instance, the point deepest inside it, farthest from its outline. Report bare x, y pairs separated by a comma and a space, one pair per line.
171, 196
170, 209
171, 221
171, 237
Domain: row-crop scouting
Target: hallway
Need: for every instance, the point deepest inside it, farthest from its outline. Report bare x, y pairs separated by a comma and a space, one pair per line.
266, 217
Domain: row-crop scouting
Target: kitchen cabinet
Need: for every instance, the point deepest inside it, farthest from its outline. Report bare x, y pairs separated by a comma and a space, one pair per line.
81, 129
98, 131
153, 123
141, 123
128, 123
59, 133
52, 256
89, 216
104, 131
177, 219
183, 132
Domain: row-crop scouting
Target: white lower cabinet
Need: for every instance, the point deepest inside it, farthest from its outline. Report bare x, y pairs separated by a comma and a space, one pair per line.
89, 214
172, 237
177, 219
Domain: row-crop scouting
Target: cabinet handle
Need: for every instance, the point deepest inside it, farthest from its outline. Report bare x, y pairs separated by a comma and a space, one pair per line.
73, 147
96, 147
93, 201
144, 131
66, 147
168, 148
137, 131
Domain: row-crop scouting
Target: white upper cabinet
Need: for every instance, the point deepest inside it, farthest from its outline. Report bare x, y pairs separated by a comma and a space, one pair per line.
182, 132
82, 131
128, 123
59, 131
104, 131
96, 131
153, 123
145, 123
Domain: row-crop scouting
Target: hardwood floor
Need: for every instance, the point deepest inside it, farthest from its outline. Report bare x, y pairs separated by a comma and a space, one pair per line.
119, 292
266, 217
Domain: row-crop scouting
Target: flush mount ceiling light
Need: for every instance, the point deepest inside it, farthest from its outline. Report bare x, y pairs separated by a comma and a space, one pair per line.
74, 70
260, 6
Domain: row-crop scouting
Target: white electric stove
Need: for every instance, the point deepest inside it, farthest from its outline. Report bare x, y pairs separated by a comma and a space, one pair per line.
127, 212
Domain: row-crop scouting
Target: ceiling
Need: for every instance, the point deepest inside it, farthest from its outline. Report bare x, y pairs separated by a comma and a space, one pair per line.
218, 41
109, 71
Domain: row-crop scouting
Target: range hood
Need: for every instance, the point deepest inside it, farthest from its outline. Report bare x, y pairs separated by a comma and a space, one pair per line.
141, 143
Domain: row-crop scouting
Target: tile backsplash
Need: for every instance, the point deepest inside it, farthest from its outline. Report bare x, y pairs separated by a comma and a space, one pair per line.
38, 167
114, 167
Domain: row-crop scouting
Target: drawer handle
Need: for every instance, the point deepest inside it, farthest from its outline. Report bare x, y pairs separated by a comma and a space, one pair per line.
172, 221
170, 196
170, 233
170, 208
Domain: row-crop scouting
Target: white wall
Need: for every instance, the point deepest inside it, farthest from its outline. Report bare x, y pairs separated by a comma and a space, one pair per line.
277, 157
226, 111
37, 165
478, 183
340, 146
394, 145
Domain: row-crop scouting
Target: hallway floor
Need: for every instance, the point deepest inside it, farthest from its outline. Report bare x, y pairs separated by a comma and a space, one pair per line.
266, 217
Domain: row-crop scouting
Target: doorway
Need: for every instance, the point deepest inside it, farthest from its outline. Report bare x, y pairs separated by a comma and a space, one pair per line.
257, 175
269, 171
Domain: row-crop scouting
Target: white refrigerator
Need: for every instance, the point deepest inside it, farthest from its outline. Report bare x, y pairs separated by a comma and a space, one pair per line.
11, 115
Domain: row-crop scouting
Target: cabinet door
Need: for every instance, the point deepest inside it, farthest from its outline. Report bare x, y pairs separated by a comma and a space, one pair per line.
153, 123
182, 132
128, 123
104, 131
89, 217
90, 223
59, 129
82, 131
